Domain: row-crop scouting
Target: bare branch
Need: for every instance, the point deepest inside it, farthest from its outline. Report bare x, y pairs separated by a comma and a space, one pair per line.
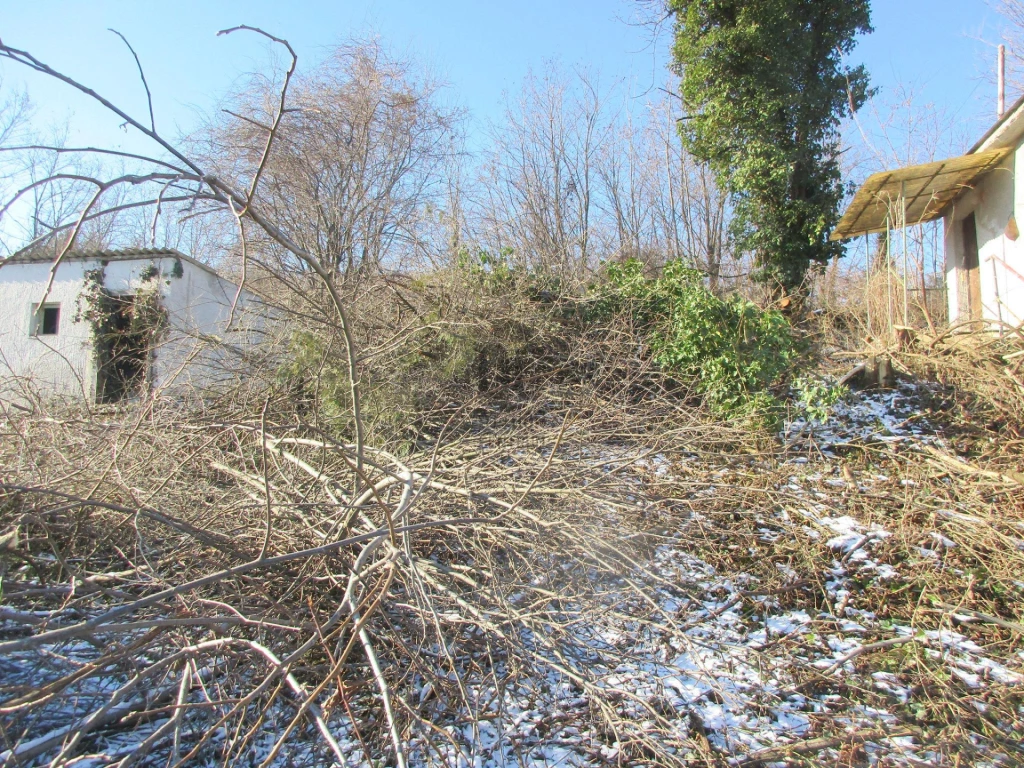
272, 131
92, 151
142, 75
26, 59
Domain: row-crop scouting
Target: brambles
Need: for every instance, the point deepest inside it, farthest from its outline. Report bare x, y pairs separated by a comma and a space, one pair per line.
441, 338
675, 591
476, 519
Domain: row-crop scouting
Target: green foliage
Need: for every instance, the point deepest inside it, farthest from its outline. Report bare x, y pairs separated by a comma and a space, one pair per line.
493, 272
95, 305
149, 272
497, 275
730, 348
110, 315
764, 88
310, 359
817, 396
470, 335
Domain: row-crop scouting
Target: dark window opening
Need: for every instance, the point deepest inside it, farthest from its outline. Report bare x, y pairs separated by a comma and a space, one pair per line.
45, 320
50, 321
122, 355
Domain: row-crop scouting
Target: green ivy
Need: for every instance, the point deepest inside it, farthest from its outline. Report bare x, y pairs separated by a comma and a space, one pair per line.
730, 349
99, 307
765, 87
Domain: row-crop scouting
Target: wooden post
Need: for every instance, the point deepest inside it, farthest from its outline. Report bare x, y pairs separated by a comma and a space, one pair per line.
888, 270
1001, 78
867, 278
999, 303
906, 255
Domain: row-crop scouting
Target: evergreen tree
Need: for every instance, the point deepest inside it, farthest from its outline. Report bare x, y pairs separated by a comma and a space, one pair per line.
764, 86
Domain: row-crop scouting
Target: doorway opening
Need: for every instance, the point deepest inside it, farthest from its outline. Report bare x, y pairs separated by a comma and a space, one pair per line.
122, 353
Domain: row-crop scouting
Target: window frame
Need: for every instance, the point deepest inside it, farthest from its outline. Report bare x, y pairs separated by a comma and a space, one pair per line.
38, 319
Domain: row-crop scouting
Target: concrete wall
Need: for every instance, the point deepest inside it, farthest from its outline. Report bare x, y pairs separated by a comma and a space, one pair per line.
999, 194
197, 351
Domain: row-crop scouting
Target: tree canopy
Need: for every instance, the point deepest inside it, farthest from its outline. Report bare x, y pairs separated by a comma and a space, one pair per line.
764, 86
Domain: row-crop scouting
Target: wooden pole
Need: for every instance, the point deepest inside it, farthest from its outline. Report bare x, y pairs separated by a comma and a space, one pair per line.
999, 303
1001, 78
867, 278
906, 253
888, 268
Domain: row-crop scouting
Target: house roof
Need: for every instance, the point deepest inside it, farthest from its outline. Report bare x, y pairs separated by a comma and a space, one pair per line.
929, 189
1003, 129
127, 254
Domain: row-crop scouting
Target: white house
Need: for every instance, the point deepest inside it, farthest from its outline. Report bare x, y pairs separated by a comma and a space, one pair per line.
980, 197
112, 325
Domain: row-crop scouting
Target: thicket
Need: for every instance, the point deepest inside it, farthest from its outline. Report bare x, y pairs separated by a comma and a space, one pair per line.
213, 583
487, 327
733, 352
432, 342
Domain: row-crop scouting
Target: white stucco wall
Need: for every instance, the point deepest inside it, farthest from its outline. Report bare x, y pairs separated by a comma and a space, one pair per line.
998, 195
200, 350
62, 363
198, 305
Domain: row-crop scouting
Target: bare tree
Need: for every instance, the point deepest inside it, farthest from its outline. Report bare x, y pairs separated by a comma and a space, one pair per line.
1012, 35
690, 211
15, 114
572, 179
540, 177
358, 160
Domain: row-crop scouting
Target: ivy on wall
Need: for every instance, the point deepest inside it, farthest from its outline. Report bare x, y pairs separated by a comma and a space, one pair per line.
122, 325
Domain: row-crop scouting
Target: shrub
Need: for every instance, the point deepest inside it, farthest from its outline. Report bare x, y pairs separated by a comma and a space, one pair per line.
732, 350
816, 396
448, 336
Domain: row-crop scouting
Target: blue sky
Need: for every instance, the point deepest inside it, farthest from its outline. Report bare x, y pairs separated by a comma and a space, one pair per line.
482, 48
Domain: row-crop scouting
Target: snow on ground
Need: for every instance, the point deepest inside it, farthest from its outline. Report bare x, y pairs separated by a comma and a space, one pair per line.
889, 416
695, 663
714, 671
701, 664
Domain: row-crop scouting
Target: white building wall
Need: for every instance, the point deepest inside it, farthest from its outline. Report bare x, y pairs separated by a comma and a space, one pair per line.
198, 305
200, 350
998, 196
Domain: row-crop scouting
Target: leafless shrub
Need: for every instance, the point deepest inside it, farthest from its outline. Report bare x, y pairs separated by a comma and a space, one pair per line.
227, 551
982, 368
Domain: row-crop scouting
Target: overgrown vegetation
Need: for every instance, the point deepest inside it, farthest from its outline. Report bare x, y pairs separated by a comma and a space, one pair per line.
486, 327
100, 307
731, 351
604, 507
125, 329
765, 114
498, 509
